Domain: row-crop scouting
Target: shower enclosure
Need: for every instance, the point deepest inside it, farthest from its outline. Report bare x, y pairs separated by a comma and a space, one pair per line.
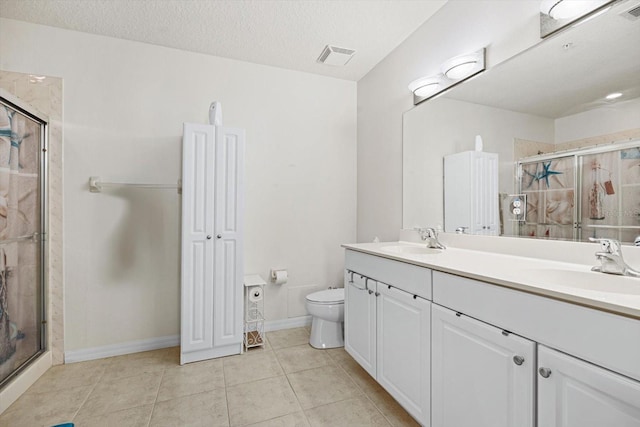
591, 192
23, 138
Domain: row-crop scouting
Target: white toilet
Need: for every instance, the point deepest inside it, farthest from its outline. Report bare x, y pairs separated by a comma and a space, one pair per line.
327, 309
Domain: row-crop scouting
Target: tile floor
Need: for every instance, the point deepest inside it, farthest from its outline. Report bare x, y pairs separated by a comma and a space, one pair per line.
288, 383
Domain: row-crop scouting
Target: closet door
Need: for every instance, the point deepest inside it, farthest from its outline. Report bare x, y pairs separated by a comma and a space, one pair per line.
198, 159
229, 260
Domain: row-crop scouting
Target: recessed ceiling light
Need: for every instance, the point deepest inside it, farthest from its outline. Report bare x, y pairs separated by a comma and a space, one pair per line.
613, 95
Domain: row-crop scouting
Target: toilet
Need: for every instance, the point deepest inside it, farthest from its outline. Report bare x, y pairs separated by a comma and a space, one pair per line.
327, 309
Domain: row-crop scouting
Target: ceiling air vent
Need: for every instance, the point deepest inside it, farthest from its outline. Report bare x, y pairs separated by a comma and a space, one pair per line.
338, 56
633, 13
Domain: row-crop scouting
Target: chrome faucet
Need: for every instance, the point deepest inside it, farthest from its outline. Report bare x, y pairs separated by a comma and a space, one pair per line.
611, 260
430, 235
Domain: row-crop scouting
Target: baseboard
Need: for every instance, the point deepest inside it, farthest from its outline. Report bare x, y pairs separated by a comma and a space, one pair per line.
120, 349
292, 322
85, 354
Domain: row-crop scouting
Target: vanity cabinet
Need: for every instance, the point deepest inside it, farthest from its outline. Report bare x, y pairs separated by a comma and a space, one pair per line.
588, 361
403, 349
481, 375
360, 320
388, 330
574, 393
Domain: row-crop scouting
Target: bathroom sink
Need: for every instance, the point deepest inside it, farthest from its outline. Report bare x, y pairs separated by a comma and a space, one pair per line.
587, 280
410, 250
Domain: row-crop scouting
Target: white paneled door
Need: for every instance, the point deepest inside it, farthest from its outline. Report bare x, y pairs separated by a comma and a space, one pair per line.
360, 320
212, 235
575, 393
481, 375
404, 347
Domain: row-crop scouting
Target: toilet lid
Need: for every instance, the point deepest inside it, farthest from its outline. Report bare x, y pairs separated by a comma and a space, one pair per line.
328, 296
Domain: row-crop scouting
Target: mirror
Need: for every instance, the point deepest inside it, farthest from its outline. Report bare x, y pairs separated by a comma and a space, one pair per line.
550, 98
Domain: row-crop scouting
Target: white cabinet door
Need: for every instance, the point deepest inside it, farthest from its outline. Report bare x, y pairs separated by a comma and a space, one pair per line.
478, 378
212, 252
404, 337
229, 261
360, 320
198, 161
574, 393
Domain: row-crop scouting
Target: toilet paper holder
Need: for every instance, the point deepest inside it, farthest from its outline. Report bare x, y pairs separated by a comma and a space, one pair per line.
279, 276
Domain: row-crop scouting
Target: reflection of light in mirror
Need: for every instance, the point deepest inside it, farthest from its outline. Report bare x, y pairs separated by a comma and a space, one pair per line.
614, 95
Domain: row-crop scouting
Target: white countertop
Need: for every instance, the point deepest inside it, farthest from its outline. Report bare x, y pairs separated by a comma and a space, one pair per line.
573, 283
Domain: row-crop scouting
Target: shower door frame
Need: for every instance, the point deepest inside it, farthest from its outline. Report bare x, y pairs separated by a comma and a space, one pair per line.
31, 113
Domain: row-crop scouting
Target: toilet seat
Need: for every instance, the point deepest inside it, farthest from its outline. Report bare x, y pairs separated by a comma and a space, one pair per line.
329, 296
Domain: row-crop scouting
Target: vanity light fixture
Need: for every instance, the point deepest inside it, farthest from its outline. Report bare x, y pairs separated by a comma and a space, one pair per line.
558, 14
426, 86
614, 95
462, 66
454, 71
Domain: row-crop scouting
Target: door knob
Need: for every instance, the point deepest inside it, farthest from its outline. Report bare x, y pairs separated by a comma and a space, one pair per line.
209, 237
219, 236
518, 360
370, 291
544, 372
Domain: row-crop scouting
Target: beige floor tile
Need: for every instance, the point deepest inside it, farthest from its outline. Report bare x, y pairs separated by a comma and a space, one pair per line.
251, 367
260, 401
45, 409
203, 409
363, 380
138, 363
358, 411
71, 375
391, 409
191, 378
338, 354
133, 417
301, 357
288, 338
320, 386
172, 356
114, 394
297, 419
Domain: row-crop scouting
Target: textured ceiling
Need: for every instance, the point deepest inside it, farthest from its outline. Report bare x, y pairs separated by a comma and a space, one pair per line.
282, 33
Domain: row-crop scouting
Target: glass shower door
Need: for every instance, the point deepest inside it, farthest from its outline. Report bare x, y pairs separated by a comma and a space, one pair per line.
22, 139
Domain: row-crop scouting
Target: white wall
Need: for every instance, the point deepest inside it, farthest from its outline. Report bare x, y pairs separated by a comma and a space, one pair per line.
609, 118
460, 26
124, 104
445, 126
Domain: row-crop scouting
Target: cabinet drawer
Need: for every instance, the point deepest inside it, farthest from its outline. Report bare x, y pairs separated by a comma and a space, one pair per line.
602, 338
408, 277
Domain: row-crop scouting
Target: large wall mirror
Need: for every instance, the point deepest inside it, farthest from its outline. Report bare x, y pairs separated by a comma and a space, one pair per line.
549, 101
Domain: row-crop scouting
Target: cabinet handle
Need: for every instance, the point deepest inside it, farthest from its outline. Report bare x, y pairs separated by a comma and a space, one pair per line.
209, 237
544, 372
219, 236
518, 360
377, 294
370, 291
